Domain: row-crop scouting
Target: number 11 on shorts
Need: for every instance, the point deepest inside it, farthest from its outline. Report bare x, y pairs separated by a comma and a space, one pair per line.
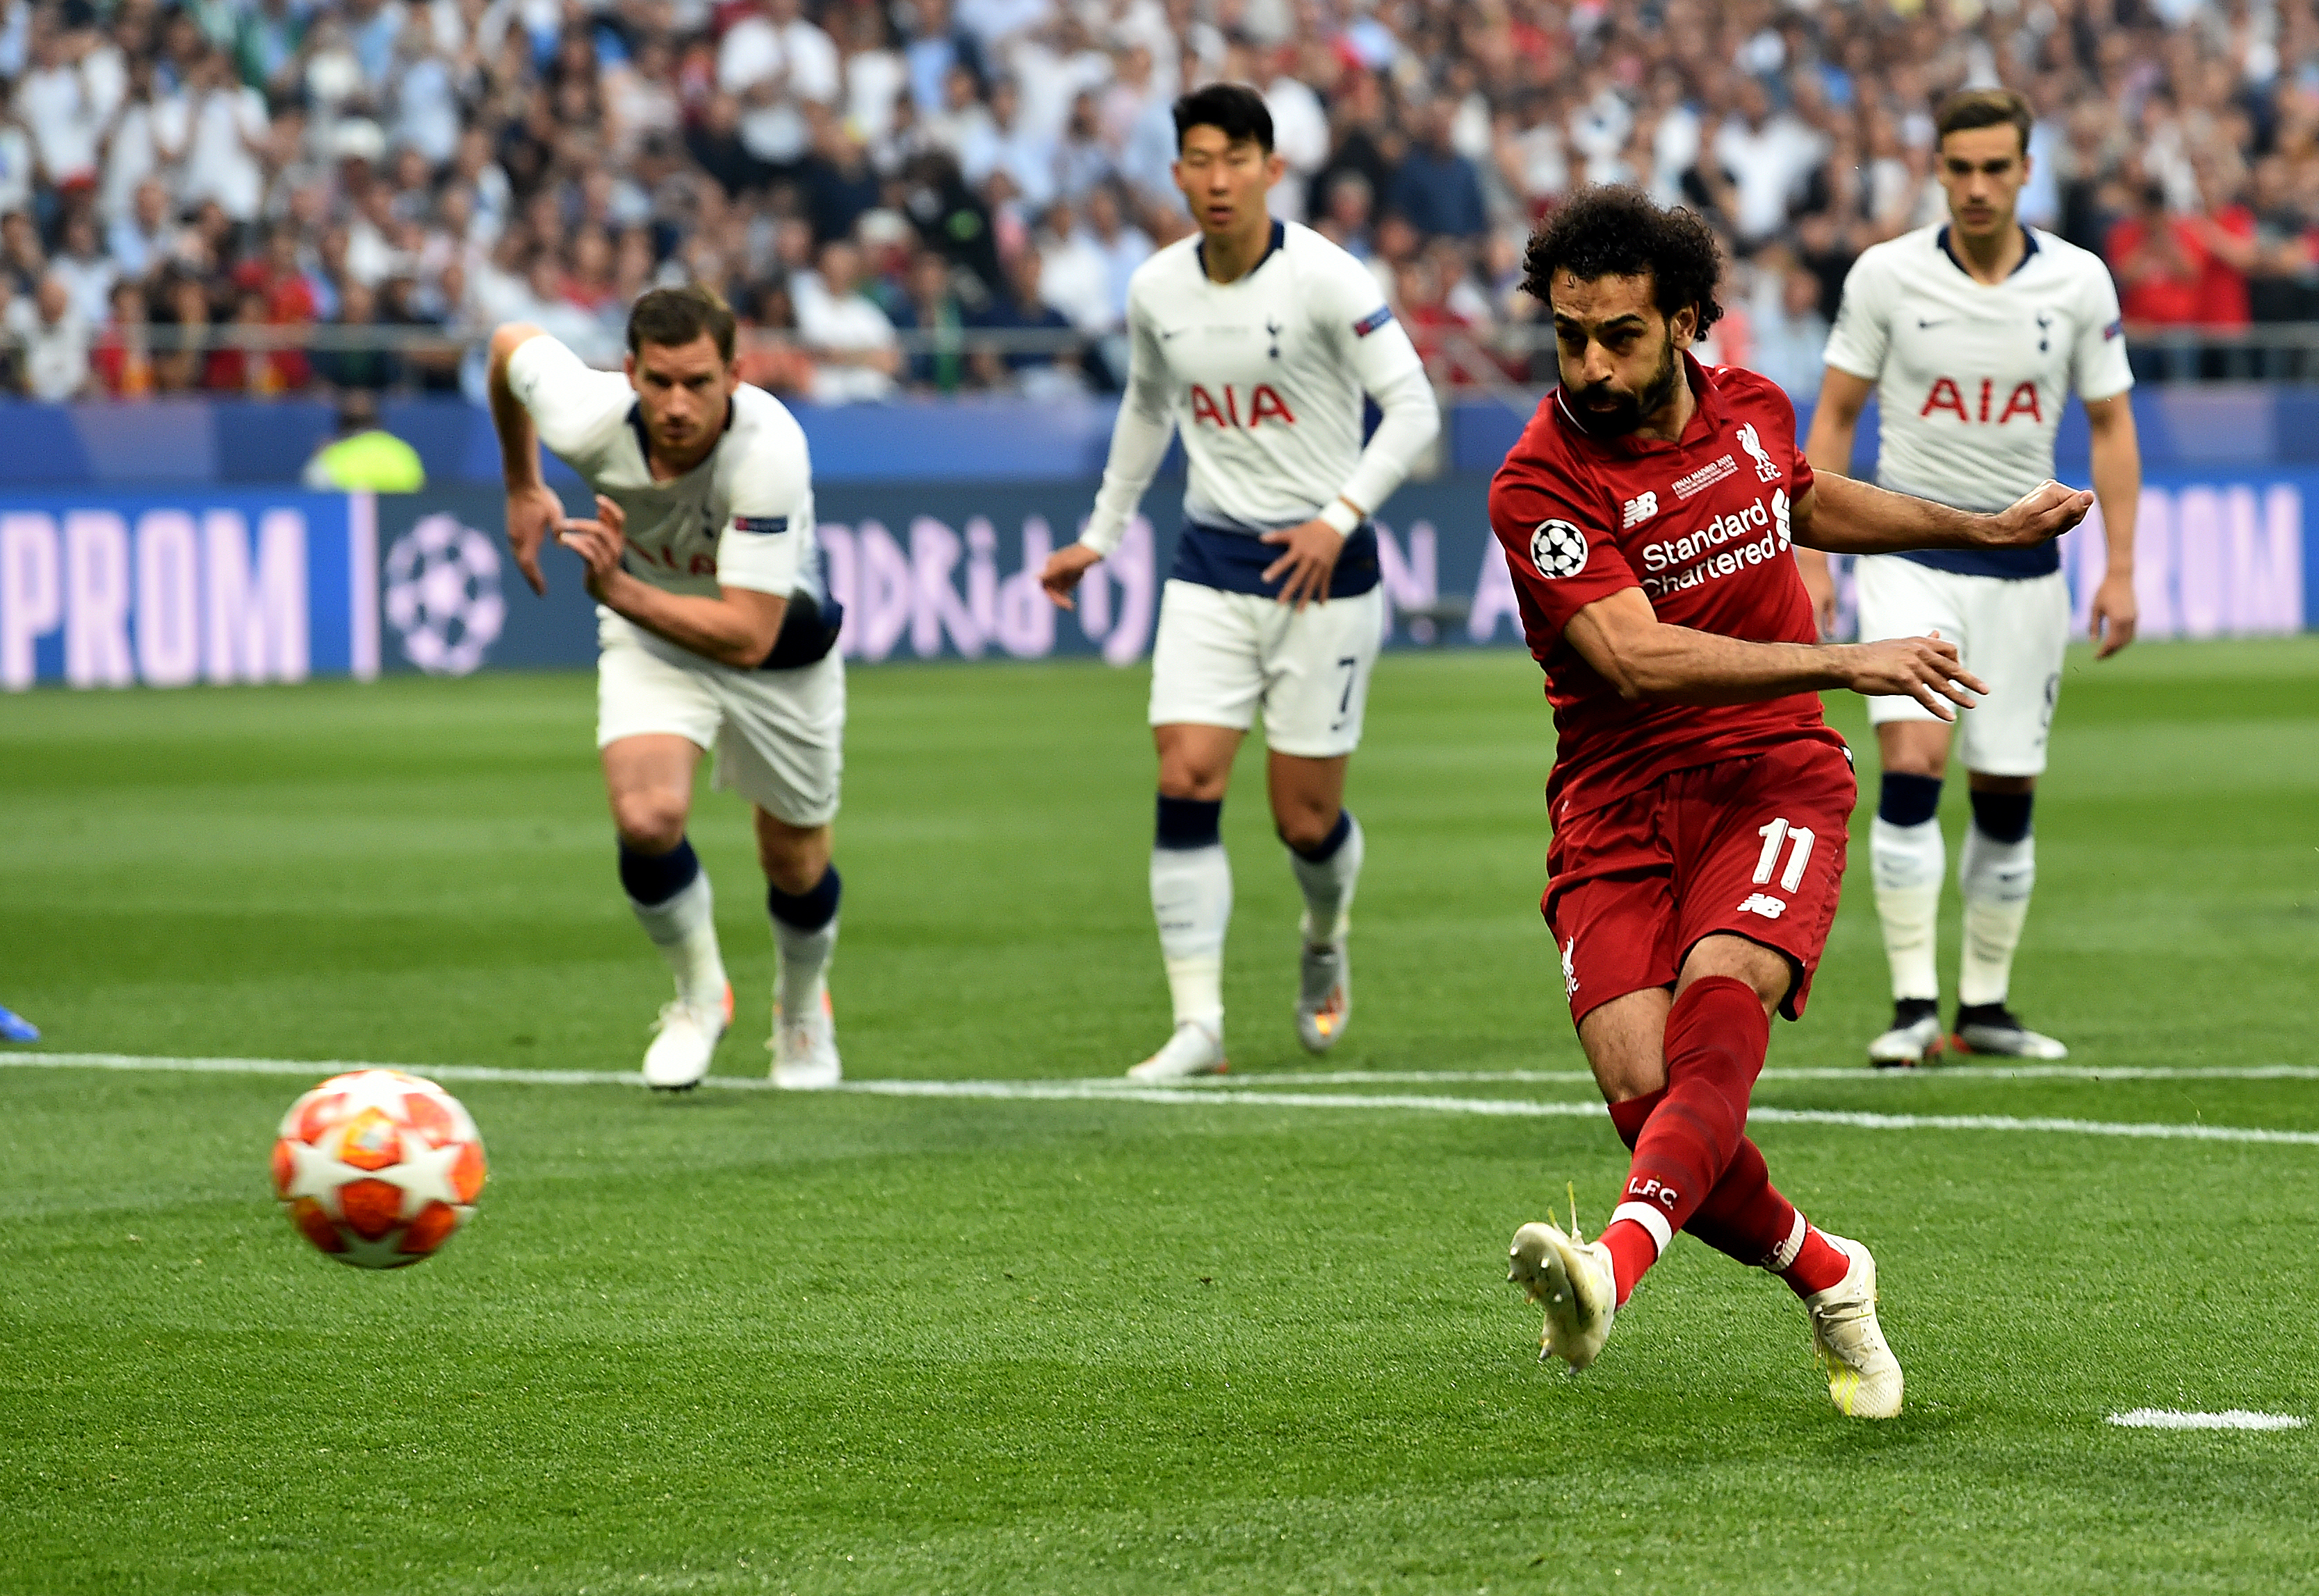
1800, 840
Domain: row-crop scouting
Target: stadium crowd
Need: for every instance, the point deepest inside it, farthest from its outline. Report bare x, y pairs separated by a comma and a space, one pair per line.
950, 195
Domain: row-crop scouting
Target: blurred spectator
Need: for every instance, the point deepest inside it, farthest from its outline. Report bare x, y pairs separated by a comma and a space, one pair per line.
951, 218
55, 339
932, 308
122, 358
1764, 156
1300, 126
144, 137
226, 135
935, 48
19, 164
2227, 229
1077, 278
22, 258
839, 184
856, 354
1082, 157
1048, 371
64, 100
776, 62
351, 360
769, 354
1789, 331
1437, 189
1012, 144
84, 269
1345, 221
2159, 260
2283, 284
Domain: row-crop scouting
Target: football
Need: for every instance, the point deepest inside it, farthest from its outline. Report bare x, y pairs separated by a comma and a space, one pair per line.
377, 1168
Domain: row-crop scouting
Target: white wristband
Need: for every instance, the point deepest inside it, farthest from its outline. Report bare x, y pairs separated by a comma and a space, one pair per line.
1341, 516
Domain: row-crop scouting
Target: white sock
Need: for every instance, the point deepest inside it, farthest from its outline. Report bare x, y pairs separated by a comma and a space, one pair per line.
1192, 898
1907, 863
1329, 886
801, 967
1996, 878
684, 929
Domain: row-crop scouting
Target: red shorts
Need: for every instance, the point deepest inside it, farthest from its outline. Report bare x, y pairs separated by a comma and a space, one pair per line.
1753, 847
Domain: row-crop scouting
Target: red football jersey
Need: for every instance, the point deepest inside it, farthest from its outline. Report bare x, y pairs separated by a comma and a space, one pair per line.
1701, 527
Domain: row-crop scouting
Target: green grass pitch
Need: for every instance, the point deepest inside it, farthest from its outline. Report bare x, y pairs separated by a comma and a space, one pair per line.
743, 1341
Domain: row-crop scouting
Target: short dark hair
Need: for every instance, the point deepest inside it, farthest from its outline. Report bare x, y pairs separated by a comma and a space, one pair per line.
671, 317
1617, 231
1233, 109
1982, 108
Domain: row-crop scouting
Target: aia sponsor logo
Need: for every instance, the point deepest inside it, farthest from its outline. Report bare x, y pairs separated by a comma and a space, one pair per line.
1638, 509
1948, 397
1263, 404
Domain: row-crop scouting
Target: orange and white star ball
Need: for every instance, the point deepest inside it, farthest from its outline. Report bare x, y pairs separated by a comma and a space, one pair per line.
377, 1167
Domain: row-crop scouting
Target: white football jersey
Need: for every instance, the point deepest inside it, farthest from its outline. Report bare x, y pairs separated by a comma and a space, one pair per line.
1263, 378
743, 518
1971, 376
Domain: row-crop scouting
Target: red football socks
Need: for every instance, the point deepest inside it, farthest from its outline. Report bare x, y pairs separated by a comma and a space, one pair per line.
1717, 1034
1743, 1217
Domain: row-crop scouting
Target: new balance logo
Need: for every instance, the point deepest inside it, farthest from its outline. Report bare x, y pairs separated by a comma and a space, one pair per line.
1765, 905
1640, 508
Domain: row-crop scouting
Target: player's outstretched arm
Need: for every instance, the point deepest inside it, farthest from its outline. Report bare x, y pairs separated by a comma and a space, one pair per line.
1835, 423
1644, 658
738, 627
2117, 484
533, 509
1839, 516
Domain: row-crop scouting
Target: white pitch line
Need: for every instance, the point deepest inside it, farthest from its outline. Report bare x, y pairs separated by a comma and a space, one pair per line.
2231, 1419
1106, 1090
1997, 1072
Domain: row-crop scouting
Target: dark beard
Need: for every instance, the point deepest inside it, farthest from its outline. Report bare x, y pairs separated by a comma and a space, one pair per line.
1630, 409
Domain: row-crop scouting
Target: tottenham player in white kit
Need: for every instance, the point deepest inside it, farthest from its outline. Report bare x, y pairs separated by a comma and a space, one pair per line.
1972, 335
1255, 339
716, 631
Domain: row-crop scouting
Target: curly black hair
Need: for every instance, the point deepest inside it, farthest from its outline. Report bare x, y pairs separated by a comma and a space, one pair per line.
1605, 232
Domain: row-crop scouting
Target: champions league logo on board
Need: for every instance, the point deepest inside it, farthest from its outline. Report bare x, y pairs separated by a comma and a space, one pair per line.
443, 595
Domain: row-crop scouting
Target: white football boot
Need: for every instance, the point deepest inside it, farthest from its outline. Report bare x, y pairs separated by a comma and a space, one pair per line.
1916, 1036
1193, 1050
1570, 1279
1324, 989
1991, 1028
1863, 1377
686, 1041
805, 1050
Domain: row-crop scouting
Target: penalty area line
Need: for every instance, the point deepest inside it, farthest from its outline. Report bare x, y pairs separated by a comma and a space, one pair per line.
1107, 1090
1978, 1072
2229, 1419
